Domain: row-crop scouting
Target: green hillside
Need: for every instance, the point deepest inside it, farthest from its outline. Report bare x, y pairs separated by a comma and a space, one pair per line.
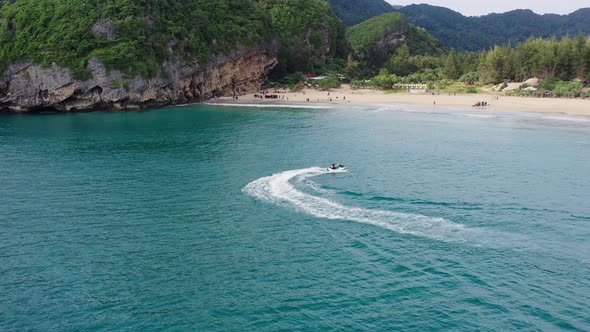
309, 32
376, 40
46, 31
139, 33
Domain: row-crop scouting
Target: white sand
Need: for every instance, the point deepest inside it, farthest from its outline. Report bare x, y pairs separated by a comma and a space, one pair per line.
579, 107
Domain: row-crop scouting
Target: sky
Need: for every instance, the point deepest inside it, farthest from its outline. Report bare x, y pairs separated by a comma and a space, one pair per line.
471, 8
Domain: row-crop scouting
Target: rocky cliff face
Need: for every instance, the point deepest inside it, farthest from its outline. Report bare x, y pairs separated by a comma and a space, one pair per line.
27, 87
392, 39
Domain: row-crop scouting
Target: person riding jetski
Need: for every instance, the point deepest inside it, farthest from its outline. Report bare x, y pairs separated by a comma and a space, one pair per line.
337, 167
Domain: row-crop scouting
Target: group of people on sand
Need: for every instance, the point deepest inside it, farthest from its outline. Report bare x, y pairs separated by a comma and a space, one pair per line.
265, 96
481, 104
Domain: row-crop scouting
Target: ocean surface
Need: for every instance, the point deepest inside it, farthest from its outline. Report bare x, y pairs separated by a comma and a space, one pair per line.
223, 218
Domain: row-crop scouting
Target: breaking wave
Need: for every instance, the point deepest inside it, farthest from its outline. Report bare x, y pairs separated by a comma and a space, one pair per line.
272, 105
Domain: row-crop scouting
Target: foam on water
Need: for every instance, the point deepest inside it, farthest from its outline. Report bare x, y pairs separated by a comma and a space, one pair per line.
489, 113
569, 118
254, 105
278, 189
476, 115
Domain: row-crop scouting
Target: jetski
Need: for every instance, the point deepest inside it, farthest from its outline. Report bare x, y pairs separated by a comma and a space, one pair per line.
336, 169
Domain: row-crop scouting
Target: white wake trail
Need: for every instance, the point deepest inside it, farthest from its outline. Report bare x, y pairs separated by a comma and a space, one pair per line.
278, 190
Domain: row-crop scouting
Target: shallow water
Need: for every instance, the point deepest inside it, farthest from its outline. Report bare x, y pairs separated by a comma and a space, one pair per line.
221, 217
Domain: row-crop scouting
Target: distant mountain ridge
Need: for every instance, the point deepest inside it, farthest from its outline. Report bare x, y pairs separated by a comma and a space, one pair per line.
476, 33
353, 12
469, 33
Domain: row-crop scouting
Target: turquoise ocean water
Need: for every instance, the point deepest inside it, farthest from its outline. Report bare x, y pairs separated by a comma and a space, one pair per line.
222, 218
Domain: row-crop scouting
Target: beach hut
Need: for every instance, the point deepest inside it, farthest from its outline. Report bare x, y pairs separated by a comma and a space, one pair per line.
534, 82
582, 79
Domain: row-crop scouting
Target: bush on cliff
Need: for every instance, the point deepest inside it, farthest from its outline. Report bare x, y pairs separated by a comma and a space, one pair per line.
329, 83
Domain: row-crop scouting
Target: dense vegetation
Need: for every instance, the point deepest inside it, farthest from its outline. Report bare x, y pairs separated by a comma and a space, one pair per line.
563, 59
2, 2
353, 12
60, 31
554, 61
376, 40
46, 31
478, 33
310, 34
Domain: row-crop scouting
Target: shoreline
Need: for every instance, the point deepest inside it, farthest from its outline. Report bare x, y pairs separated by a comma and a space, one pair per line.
576, 108
346, 95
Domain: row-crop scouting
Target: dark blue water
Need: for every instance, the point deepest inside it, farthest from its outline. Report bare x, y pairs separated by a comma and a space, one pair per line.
219, 218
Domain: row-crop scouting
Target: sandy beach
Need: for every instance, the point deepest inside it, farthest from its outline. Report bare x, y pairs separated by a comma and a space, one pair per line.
577, 107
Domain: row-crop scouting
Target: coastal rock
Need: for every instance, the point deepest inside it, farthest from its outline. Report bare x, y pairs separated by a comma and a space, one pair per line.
28, 87
104, 28
392, 39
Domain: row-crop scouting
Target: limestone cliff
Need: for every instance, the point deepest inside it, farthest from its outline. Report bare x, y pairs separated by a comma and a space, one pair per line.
28, 87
